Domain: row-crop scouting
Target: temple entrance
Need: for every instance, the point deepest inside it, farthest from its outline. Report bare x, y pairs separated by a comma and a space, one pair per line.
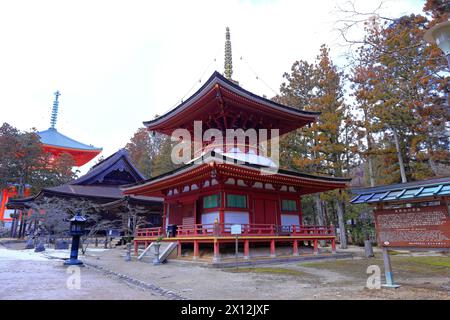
265, 211
188, 213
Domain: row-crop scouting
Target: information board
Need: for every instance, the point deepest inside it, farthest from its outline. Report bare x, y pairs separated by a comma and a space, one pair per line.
236, 229
421, 227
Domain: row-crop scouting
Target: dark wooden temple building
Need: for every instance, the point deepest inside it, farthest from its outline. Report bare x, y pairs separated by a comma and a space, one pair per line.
101, 186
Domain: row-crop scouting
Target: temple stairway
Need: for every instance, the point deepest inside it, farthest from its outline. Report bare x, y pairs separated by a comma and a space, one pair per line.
165, 250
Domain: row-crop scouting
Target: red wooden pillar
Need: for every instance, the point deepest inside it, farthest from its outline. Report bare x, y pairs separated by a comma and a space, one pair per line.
333, 245
316, 246
299, 208
164, 218
246, 249
216, 257
179, 249
222, 209
272, 249
136, 247
196, 255
295, 248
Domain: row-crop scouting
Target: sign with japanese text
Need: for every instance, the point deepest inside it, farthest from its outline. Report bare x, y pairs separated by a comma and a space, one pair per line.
236, 229
422, 227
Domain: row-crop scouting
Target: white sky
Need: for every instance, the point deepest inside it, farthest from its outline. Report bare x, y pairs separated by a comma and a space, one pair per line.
118, 63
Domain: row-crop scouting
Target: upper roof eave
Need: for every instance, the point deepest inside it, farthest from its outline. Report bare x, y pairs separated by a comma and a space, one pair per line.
217, 78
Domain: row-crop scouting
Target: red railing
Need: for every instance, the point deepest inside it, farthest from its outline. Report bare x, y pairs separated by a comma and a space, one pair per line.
149, 232
224, 229
312, 230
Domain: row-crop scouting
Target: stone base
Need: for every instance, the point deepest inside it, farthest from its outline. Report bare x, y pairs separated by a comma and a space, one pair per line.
39, 248
390, 286
30, 244
73, 262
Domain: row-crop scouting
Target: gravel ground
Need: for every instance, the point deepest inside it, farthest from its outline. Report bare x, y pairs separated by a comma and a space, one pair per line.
27, 275
342, 279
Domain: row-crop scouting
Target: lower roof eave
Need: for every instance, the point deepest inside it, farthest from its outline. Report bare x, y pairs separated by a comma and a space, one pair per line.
183, 175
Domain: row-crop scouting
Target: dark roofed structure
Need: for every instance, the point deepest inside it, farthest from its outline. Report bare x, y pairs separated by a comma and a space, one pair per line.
417, 190
117, 169
101, 185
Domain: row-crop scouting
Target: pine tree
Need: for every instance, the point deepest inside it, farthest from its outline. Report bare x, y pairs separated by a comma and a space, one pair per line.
326, 145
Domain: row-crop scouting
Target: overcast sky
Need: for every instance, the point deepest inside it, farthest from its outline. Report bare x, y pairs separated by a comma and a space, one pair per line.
118, 63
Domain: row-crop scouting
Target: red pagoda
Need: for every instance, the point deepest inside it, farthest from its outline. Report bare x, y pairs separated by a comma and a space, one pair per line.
56, 143
225, 186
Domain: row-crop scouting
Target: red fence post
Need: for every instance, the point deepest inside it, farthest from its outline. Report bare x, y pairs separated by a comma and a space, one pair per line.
295, 248
196, 255
272, 249
316, 246
136, 247
179, 249
246, 249
216, 257
333, 245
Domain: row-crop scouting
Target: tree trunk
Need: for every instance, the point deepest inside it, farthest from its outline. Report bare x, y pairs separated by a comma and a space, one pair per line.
319, 214
24, 229
341, 222
399, 156
370, 161
431, 162
13, 226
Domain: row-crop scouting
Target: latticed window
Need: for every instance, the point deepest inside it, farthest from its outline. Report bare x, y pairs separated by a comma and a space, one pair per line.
288, 205
212, 201
236, 201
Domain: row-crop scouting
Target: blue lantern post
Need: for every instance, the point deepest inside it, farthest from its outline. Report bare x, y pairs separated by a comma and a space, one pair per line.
77, 225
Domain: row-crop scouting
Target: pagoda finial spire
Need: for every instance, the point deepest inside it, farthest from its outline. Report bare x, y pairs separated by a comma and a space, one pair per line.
228, 65
54, 110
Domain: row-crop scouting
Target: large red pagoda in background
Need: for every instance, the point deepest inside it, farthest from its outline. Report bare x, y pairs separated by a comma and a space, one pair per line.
56, 144
225, 184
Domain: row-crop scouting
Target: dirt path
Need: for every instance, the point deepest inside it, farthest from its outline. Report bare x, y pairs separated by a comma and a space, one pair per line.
25, 276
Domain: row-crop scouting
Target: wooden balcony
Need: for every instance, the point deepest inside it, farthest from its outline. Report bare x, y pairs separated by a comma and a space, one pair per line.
224, 230
217, 233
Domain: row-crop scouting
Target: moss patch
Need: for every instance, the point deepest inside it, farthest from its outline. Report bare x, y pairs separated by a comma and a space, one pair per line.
403, 265
430, 261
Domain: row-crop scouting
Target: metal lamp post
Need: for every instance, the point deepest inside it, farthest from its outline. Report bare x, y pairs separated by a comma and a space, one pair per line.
440, 35
77, 225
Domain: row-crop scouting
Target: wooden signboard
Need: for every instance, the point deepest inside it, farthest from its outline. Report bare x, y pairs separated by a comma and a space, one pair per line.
420, 227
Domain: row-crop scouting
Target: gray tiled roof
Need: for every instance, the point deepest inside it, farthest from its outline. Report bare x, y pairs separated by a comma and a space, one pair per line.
403, 191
